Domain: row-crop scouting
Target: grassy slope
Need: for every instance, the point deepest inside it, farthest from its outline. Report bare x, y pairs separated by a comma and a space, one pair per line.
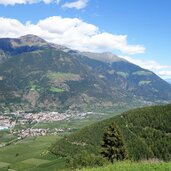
130, 166
30, 159
146, 131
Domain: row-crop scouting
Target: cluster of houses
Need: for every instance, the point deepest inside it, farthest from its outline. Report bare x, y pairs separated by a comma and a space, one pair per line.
32, 132
9, 121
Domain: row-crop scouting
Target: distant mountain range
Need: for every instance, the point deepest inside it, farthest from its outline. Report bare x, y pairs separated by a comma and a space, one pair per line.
37, 75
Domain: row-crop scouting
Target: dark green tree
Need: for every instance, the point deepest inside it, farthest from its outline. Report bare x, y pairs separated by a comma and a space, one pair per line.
113, 147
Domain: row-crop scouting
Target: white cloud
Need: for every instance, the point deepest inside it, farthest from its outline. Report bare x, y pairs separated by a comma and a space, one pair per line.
118, 42
14, 2
164, 71
79, 4
70, 32
165, 74
10, 27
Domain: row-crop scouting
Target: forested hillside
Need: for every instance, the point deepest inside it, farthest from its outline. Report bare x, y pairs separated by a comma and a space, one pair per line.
146, 131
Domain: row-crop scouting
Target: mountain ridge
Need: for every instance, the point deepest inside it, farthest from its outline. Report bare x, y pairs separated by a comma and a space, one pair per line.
38, 75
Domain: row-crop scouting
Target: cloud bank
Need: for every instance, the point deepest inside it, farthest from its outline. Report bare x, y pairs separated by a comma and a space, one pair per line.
71, 32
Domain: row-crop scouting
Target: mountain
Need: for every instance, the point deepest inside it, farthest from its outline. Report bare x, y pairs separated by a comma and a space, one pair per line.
38, 75
146, 132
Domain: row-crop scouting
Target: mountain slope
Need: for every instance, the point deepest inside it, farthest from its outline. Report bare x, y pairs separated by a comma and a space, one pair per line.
37, 75
146, 131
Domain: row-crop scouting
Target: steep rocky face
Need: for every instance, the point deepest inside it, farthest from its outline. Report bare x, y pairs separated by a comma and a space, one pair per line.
36, 75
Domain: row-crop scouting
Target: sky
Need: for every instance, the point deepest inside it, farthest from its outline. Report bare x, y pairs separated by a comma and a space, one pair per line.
137, 30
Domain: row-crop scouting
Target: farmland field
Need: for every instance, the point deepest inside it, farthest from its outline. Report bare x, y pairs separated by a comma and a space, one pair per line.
30, 154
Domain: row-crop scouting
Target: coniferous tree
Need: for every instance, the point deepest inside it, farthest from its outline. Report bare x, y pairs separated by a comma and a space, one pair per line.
113, 147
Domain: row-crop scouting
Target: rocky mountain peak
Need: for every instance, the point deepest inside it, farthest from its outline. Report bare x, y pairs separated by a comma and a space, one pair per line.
30, 38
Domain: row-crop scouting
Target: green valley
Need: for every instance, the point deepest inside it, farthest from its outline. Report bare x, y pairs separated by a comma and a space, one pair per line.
148, 142
57, 105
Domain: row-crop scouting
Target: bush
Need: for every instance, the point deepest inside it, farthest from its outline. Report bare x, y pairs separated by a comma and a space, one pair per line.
84, 159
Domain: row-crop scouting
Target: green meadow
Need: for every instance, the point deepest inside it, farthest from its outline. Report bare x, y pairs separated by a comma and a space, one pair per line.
30, 154
133, 166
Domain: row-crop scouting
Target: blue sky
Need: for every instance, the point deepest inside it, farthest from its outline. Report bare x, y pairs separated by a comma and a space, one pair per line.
139, 29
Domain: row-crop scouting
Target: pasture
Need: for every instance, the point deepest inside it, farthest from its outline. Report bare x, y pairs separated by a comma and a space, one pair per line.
30, 154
